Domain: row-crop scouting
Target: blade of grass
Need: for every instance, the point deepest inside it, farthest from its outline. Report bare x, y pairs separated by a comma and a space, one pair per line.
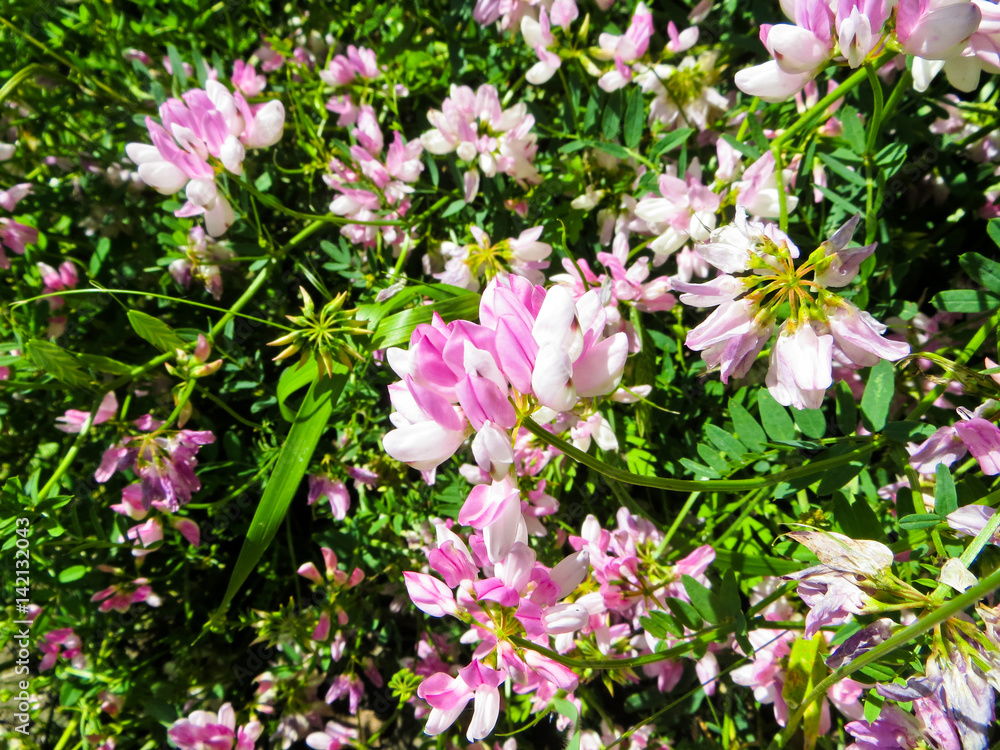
309, 424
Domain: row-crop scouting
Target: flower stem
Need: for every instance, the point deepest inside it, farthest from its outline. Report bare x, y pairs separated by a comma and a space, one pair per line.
67, 460
903, 637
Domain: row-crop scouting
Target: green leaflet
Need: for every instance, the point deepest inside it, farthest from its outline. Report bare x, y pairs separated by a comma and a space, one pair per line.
805, 670
155, 331
878, 395
295, 454
396, 329
57, 362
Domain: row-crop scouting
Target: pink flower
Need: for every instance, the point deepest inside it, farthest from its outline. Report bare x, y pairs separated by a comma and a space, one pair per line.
52, 646
334, 491
73, 420
333, 737
205, 123
146, 535
801, 366
165, 463
122, 596
982, 438
858, 336
245, 79
207, 730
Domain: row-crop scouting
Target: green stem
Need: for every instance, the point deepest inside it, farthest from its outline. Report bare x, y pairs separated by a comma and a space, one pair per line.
966, 354
181, 400
103, 290
902, 86
267, 200
819, 108
982, 539
691, 485
678, 521
900, 639
71, 727
780, 182
874, 126
17, 78
67, 460
227, 408
745, 125
712, 635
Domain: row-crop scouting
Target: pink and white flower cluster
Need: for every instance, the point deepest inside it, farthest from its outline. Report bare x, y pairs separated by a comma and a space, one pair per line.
501, 591
535, 346
207, 129
632, 582
202, 730
818, 333
486, 137
939, 33
370, 188
625, 49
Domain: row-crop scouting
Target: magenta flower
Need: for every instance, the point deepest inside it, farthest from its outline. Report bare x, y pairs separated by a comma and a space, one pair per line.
65, 643
335, 491
165, 463
122, 596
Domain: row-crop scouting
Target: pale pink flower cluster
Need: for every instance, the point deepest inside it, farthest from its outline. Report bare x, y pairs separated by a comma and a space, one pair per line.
684, 210
457, 377
371, 189
625, 49
359, 63
629, 285
684, 94
509, 13
205, 130
13, 234
486, 137
937, 32
496, 575
524, 255
204, 730
766, 673
819, 333
633, 583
